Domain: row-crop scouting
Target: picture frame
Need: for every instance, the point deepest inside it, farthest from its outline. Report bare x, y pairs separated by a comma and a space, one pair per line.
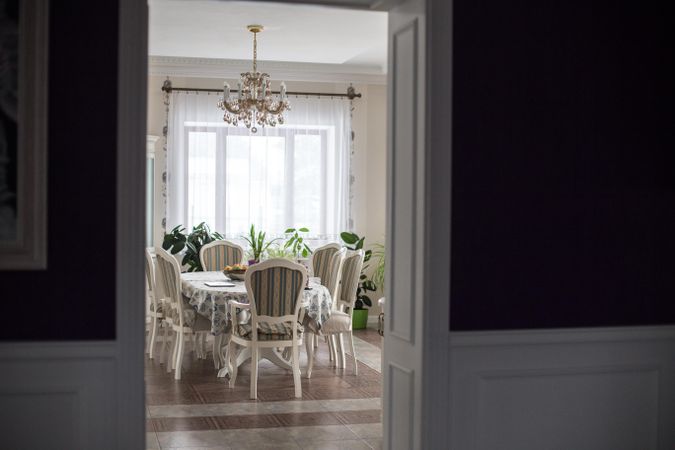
23, 205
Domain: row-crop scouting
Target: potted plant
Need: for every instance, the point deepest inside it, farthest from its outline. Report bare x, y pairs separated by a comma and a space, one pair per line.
360, 313
296, 243
177, 241
378, 273
258, 244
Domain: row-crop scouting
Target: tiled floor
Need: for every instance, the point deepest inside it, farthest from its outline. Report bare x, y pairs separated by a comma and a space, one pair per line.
200, 412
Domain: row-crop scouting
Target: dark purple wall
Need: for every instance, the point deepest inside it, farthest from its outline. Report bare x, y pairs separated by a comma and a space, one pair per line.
563, 164
75, 297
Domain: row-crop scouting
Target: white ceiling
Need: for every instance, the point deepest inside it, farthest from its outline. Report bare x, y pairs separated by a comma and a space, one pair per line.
293, 33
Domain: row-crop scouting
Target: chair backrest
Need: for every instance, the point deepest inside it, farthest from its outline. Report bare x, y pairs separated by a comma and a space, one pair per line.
349, 280
218, 254
150, 277
169, 275
332, 277
274, 289
321, 260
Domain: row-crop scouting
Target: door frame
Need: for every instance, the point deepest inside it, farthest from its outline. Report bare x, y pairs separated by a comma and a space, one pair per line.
430, 428
130, 237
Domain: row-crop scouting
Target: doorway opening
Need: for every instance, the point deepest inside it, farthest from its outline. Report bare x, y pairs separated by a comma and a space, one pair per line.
317, 180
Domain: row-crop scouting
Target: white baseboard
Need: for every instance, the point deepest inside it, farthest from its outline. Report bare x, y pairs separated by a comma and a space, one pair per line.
582, 389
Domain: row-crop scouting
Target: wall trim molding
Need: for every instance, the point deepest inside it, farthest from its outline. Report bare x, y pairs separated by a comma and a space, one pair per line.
174, 66
560, 336
13, 351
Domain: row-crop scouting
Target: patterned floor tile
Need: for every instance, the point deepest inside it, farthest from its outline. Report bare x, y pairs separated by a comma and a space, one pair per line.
184, 424
367, 430
208, 438
357, 417
310, 418
151, 442
356, 444
248, 421
337, 409
308, 434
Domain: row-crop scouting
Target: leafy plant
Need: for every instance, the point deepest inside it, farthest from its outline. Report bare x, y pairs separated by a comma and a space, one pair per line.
378, 273
258, 243
296, 242
280, 252
176, 241
354, 242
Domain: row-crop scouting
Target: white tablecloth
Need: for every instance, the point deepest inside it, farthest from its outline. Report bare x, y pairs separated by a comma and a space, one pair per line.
212, 302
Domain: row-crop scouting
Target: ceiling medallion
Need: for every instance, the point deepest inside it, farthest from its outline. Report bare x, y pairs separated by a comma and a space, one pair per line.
254, 105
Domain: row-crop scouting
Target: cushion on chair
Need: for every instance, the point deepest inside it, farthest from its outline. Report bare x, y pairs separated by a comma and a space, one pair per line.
269, 332
338, 322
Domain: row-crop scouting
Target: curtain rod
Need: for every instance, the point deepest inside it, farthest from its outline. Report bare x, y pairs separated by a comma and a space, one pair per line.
351, 92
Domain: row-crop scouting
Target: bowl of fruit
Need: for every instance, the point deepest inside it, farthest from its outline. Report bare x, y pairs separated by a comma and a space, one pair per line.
236, 271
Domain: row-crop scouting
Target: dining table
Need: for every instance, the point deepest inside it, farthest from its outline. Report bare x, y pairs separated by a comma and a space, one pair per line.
212, 302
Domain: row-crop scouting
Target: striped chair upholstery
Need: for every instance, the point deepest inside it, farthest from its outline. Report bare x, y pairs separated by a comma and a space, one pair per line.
169, 278
275, 293
218, 254
321, 259
155, 306
351, 271
149, 270
333, 268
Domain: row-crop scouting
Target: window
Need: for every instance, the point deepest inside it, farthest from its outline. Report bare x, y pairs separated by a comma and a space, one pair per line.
287, 176
275, 181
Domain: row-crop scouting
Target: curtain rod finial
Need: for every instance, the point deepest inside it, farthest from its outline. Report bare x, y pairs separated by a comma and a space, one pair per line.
351, 93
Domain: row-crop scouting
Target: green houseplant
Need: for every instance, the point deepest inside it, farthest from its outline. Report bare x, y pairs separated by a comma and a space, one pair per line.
360, 314
278, 251
295, 243
177, 240
378, 273
258, 243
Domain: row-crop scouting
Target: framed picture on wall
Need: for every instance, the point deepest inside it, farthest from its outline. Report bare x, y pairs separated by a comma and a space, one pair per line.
23, 134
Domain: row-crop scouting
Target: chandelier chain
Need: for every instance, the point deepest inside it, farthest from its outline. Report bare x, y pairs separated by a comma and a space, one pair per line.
255, 51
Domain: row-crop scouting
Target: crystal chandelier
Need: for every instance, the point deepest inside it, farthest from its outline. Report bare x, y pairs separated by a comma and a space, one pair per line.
254, 104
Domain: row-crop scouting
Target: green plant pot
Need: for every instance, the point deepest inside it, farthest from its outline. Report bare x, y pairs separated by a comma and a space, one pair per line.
359, 319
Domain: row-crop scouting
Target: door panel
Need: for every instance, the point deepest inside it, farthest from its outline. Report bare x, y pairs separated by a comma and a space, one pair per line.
405, 226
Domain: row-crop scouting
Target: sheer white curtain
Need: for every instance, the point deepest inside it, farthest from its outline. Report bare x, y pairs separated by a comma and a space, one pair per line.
292, 175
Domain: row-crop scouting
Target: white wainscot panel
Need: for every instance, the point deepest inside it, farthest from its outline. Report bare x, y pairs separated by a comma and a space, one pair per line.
590, 389
58, 396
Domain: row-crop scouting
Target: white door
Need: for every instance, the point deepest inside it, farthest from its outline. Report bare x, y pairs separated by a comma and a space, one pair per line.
416, 314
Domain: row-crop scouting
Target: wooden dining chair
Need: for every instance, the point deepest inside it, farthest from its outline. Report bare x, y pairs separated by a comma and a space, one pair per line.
156, 310
185, 321
274, 288
340, 321
320, 264
332, 283
333, 276
215, 255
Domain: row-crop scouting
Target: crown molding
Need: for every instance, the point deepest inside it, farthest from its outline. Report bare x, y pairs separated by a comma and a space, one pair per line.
286, 71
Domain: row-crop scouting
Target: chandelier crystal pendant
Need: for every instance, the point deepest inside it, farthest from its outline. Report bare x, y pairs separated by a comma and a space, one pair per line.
254, 105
